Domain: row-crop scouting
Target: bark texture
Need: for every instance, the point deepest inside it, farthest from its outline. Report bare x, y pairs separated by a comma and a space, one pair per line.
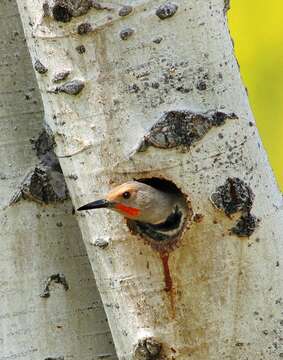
127, 74
50, 307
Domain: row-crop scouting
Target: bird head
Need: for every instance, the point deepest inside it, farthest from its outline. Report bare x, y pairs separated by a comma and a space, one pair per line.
137, 201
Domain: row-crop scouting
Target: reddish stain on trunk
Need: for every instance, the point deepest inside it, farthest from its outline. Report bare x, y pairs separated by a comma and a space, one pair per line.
168, 280
166, 271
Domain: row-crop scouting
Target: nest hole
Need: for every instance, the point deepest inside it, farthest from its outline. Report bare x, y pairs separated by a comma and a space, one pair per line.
166, 235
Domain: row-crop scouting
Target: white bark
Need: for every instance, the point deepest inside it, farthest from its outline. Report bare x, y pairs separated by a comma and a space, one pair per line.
38, 240
227, 291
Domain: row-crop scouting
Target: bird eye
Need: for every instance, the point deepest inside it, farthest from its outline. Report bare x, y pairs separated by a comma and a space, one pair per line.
126, 195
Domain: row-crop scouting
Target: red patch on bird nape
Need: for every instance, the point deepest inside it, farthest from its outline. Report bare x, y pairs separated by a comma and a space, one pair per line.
130, 211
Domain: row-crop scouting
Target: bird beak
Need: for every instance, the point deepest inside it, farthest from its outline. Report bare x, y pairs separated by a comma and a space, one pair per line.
96, 205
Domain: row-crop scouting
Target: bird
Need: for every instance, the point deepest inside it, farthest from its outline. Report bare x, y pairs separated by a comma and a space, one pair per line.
157, 214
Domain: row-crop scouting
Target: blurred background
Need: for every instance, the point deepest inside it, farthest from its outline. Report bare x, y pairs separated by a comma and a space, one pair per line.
257, 29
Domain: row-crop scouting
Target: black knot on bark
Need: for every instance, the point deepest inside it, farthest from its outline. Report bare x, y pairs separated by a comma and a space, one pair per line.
235, 195
62, 12
166, 10
147, 349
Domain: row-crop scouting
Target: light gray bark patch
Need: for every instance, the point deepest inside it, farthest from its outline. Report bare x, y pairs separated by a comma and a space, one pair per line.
126, 33
73, 87
245, 226
147, 349
125, 10
45, 183
61, 75
39, 67
57, 279
166, 10
181, 129
235, 195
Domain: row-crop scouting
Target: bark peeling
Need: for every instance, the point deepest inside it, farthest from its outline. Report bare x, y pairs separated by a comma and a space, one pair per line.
181, 129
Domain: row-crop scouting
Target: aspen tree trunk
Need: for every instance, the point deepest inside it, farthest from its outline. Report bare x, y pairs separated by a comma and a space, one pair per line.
65, 320
153, 90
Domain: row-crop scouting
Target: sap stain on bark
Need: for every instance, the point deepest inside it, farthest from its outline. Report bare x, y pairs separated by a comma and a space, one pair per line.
55, 358
57, 279
236, 196
147, 349
73, 87
126, 33
181, 129
39, 67
45, 183
166, 10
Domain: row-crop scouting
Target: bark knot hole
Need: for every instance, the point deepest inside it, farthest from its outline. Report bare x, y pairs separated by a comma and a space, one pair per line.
166, 10
62, 12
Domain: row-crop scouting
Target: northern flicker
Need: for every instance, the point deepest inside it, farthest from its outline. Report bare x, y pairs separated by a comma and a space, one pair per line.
159, 214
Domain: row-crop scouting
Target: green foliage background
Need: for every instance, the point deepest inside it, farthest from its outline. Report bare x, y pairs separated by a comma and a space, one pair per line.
257, 28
